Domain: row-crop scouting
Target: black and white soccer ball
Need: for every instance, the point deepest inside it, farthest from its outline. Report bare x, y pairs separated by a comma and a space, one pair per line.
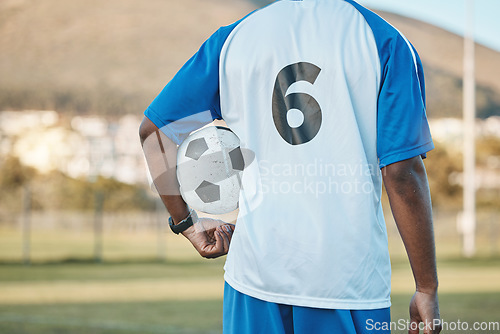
209, 168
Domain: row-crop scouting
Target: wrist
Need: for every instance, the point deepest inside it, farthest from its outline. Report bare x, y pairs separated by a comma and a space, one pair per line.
184, 224
191, 229
429, 288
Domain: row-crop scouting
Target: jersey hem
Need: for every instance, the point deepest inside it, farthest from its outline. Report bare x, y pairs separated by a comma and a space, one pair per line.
324, 303
400, 156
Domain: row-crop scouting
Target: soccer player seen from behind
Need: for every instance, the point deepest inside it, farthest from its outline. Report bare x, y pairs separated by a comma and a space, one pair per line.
330, 99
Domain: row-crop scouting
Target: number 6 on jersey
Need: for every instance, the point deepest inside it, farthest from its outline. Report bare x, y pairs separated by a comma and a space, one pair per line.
303, 102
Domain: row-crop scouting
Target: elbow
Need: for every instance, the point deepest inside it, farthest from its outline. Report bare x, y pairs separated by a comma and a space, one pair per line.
405, 172
404, 169
407, 187
146, 129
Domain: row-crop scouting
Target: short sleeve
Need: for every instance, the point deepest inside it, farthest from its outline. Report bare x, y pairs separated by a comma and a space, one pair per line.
402, 127
191, 99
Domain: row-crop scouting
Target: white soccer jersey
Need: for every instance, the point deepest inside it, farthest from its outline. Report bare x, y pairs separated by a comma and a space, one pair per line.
325, 93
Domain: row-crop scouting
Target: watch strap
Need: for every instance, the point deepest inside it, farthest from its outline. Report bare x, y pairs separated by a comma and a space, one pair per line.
183, 224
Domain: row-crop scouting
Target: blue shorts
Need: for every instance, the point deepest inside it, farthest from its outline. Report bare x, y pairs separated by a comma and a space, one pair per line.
243, 314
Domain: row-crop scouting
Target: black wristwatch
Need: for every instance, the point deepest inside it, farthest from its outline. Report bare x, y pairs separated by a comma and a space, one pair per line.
183, 224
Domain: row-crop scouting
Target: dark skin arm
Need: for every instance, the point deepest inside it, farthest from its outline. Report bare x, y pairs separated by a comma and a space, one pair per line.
408, 189
210, 237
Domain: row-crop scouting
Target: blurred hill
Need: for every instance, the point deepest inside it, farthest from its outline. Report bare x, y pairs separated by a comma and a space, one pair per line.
442, 55
113, 57
100, 57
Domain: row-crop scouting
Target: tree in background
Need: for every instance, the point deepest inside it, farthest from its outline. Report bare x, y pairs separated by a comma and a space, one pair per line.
57, 191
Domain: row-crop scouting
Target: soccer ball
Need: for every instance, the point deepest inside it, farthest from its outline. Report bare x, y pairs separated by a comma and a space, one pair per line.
209, 168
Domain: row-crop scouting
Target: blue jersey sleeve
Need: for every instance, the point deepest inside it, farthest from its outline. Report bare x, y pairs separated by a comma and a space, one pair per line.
402, 127
191, 99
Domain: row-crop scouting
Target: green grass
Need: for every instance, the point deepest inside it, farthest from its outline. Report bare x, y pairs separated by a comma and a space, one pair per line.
111, 271
77, 245
65, 291
136, 317
180, 297
194, 316
173, 297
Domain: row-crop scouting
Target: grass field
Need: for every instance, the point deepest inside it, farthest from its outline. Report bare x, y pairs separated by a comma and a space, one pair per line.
131, 291
186, 296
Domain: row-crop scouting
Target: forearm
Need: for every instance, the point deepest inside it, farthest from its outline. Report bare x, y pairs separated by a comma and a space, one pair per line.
161, 157
407, 186
210, 237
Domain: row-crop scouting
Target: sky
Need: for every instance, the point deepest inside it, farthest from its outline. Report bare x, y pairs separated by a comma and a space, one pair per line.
449, 14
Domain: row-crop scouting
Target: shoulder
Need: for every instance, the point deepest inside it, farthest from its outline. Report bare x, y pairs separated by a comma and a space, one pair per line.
387, 37
378, 25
